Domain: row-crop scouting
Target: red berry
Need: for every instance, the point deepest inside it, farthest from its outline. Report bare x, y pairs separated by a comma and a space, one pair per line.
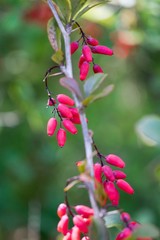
84, 211
73, 47
75, 116
51, 126
81, 60
119, 174
63, 225
51, 102
64, 111
80, 223
67, 236
92, 41
98, 172
84, 69
87, 53
123, 185
97, 69
99, 49
62, 98
69, 126
62, 208
115, 160
125, 217
108, 173
75, 235
61, 137
124, 234
112, 192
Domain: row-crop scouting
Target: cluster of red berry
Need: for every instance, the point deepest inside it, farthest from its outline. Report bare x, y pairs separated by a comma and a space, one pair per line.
112, 177
90, 45
81, 221
68, 115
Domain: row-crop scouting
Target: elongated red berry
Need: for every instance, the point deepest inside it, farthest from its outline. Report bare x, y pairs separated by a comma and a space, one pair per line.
107, 171
99, 49
63, 225
84, 69
51, 102
64, 99
73, 47
125, 217
75, 116
97, 69
115, 160
98, 172
69, 126
75, 235
64, 111
61, 137
87, 53
81, 60
80, 223
125, 186
51, 126
112, 192
61, 210
124, 234
84, 211
119, 174
67, 236
92, 41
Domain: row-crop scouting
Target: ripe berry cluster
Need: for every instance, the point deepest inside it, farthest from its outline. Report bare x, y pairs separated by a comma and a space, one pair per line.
68, 115
81, 220
108, 177
90, 46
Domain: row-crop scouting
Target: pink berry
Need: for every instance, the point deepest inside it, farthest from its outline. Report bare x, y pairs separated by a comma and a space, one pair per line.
61, 137
69, 126
99, 49
81, 60
75, 116
119, 174
125, 217
62, 208
63, 225
124, 234
108, 173
97, 69
98, 172
67, 236
92, 41
112, 192
73, 47
115, 160
87, 53
75, 235
64, 99
64, 111
123, 185
84, 69
51, 126
84, 211
80, 223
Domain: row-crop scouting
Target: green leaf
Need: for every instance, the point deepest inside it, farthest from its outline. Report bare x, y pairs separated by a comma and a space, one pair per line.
90, 99
98, 230
93, 82
65, 9
112, 219
76, 6
58, 57
148, 129
88, 7
147, 230
71, 85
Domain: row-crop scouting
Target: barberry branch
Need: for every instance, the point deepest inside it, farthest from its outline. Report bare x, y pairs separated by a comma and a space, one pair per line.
67, 70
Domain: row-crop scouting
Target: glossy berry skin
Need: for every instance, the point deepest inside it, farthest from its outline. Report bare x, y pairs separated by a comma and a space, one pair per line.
123, 185
87, 53
98, 172
92, 41
107, 171
73, 47
124, 234
64, 111
84, 69
75, 235
119, 174
97, 69
51, 126
61, 137
99, 49
63, 225
67, 236
84, 211
115, 161
80, 223
62, 209
81, 60
125, 217
64, 99
69, 126
112, 192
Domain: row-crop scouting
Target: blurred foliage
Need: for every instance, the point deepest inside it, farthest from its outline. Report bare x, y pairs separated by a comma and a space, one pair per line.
33, 169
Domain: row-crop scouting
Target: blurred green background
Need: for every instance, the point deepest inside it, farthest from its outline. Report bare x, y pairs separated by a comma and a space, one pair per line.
33, 169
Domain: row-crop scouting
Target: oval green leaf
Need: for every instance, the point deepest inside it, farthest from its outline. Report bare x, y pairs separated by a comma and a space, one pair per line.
112, 219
